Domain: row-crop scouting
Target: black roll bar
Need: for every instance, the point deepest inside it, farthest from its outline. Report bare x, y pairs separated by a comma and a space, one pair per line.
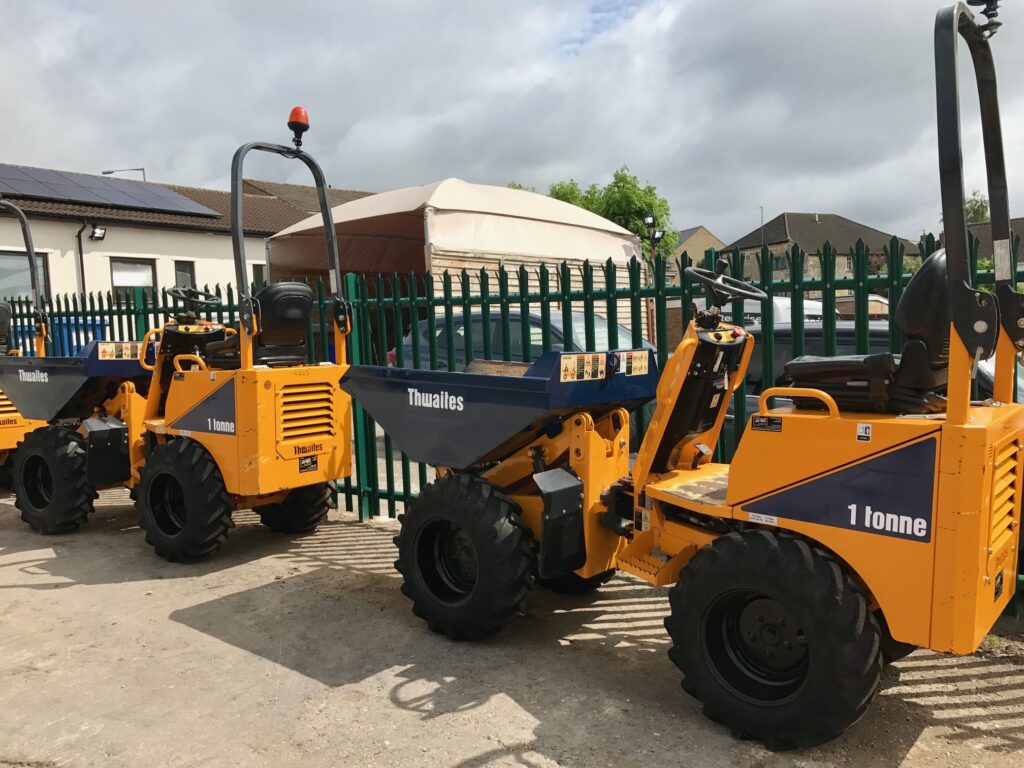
30, 250
976, 316
238, 233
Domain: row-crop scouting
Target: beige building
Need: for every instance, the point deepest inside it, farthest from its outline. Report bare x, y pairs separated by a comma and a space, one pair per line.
810, 231
693, 242
164, 235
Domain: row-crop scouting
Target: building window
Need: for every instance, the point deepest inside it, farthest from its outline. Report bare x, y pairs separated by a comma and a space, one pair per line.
259, 274
185, 274
126, 274
14, 278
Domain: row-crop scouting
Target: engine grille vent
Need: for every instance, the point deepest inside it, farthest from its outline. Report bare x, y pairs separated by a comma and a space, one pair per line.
305, 411
1006, 483
6, 406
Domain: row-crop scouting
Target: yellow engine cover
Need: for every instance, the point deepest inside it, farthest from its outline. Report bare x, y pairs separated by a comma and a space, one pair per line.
269, 429
926, 513
14, 426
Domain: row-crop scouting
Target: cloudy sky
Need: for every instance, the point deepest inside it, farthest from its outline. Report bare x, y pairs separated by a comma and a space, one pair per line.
799, 105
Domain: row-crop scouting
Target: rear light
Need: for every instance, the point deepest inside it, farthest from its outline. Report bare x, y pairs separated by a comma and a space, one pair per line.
393, 357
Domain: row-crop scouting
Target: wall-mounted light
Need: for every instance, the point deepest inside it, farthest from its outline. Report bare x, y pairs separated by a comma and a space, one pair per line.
98, 232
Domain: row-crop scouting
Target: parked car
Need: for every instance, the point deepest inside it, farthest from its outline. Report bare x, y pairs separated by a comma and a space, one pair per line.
576, 342
782, 310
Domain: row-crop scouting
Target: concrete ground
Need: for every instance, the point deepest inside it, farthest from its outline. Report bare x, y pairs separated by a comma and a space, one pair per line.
300, 651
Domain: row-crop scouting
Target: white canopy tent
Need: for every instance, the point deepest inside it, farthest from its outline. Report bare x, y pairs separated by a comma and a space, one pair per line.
457, 224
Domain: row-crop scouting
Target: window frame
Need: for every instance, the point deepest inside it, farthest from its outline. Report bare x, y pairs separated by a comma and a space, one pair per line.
131, 260
43, 257
191, 270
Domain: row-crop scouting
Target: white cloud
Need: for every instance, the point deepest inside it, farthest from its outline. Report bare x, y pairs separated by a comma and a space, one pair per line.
725, 106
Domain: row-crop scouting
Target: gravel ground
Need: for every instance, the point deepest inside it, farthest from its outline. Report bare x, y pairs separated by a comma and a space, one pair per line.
300, 651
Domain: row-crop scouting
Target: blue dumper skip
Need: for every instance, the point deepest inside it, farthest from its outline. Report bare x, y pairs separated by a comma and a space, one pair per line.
460, 420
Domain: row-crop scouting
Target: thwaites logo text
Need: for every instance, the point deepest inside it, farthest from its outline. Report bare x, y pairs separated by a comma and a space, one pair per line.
8, 421
305, 450
442, 401
33, 377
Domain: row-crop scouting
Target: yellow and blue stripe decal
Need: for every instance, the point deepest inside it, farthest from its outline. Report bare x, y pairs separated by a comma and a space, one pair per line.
890, 495
215, 413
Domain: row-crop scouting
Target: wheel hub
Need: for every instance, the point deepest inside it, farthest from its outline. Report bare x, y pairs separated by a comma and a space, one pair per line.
755, 646
447, 561
770, 634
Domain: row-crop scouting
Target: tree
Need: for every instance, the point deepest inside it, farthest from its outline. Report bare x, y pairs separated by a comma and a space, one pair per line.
976, 208
626, 202
517, 185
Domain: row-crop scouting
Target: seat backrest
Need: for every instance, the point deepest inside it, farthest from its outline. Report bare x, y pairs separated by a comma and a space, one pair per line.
924, 313
284, 313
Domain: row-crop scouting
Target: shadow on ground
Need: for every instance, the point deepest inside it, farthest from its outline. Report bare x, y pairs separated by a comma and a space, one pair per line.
555, 657
592, 671
112, 531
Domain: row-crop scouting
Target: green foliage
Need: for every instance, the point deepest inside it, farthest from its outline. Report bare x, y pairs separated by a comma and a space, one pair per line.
625, 201
976, 208
517, 185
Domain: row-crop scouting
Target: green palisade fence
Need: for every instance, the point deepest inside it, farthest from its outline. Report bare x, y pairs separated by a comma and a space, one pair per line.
443, 321
596, 306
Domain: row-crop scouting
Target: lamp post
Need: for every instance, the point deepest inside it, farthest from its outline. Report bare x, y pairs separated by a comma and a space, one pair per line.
654, 235
123, 170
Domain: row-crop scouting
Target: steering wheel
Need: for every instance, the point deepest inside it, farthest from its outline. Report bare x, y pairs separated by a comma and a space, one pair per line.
723, 288
195, 296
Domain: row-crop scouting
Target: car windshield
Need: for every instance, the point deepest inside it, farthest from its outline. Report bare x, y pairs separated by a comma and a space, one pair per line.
601, 335
578, 336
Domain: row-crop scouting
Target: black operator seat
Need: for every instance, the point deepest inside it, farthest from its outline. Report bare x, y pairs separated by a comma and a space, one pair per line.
911, 382
6, 315
283, 311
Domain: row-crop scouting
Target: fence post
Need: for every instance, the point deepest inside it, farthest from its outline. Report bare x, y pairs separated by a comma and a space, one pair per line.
894, 253
859, 254
710, 257
449, 320
525, 326
139, 311
362, 444
611, 304
506, 322
796, 258
739, 313
685, 293
485, 314
565, 284
660, 313
635, 304
766, 276
827, 256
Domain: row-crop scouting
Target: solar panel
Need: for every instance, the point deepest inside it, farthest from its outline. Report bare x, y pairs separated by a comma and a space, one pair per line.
45, 184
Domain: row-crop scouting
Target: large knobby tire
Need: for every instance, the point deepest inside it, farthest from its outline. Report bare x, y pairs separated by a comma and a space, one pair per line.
465, 557
573, 584
183, 505
300, 512
775, 638
49, 480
